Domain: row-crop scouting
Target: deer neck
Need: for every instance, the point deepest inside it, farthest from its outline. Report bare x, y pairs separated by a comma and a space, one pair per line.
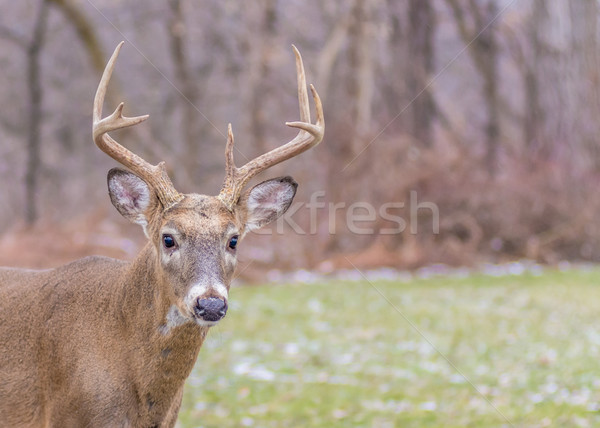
168, 348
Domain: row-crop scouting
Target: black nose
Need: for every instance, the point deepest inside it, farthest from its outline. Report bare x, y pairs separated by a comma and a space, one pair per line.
211, 309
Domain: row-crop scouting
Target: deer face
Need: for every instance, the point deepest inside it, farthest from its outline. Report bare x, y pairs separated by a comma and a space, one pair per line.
196, 239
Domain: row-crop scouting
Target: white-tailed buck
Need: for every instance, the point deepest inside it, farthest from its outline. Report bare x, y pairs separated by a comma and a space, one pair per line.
105, 343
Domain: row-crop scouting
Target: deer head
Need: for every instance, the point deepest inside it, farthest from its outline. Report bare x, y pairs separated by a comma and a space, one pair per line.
194, 237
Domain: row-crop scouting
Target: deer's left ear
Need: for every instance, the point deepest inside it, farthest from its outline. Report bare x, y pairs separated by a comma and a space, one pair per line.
266, 202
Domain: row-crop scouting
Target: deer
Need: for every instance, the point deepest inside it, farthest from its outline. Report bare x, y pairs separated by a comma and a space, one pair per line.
101, 342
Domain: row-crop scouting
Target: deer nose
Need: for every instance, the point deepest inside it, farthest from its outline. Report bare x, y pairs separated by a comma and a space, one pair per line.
211, 309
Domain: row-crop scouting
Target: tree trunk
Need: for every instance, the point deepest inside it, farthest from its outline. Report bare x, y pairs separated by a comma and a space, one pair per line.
533, 120
185, 84
480, 37
260, 76
361, 60
584, 79
421, 58
85, 31
489, 50
35, 114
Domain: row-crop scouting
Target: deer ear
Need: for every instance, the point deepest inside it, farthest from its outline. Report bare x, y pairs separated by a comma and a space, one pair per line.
267, 201
130, 195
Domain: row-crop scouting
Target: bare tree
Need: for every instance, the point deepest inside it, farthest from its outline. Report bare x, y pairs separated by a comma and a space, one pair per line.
533, 120
34, 125
186, 86
260, 72
421, 59
84, 29
477, 28
583, 81
361, 60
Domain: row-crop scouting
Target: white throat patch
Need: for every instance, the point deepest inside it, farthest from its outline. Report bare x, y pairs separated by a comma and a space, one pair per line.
174, 319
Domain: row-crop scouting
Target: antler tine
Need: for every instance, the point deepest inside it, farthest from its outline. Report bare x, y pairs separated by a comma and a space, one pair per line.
155, 175
309, 136
302, 94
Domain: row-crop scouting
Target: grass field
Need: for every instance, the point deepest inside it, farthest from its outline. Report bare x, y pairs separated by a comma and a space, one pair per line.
477, 351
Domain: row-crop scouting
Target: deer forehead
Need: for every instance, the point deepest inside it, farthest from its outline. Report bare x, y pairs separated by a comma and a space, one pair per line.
200, 215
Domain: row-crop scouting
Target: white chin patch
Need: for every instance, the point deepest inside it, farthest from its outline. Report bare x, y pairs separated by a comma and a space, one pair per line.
204, 323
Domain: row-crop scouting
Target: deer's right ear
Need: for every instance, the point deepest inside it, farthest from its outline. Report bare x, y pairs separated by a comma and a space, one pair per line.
130, 195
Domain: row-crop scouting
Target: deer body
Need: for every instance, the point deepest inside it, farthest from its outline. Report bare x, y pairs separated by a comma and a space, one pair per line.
104, 343
68, 374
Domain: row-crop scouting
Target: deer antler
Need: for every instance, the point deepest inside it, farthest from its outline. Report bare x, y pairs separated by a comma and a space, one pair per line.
155, 175
309, 136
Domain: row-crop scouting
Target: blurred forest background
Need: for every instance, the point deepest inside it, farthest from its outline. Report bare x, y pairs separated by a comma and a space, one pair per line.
488, 109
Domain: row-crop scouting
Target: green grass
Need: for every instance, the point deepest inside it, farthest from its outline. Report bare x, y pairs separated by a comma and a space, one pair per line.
520, 350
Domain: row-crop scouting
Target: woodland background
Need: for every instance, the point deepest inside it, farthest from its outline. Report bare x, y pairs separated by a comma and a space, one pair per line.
487, 108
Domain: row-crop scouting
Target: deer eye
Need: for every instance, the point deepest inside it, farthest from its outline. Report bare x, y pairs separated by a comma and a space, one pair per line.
233, 242
168, 241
